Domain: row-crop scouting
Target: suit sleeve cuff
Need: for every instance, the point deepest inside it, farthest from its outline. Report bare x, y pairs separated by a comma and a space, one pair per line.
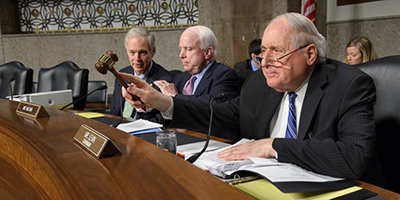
168, 114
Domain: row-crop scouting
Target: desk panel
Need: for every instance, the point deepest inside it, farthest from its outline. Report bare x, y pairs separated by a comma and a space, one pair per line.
40, 160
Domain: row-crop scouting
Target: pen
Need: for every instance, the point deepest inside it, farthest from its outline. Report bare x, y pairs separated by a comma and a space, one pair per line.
180, 155
243, 180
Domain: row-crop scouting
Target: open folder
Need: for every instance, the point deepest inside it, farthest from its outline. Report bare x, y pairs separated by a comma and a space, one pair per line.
286, 177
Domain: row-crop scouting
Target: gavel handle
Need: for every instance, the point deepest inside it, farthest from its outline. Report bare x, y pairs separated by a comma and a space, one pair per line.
123, 83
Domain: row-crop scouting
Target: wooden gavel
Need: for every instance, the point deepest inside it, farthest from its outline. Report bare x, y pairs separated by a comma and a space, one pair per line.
106, 62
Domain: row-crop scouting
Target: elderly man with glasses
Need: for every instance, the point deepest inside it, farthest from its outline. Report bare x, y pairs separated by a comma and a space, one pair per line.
300, 108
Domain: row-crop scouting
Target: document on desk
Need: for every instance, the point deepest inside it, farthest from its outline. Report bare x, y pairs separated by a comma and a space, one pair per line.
192, 148
209, 157
139, 126
269, 168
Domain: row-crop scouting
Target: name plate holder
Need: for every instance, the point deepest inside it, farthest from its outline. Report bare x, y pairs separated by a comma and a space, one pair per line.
31, 110
97, 144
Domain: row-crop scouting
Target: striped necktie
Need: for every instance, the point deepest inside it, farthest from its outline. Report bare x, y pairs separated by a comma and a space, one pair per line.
291, 130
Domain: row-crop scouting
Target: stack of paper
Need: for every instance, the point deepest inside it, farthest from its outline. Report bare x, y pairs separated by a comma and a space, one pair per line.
140, 126
289, 179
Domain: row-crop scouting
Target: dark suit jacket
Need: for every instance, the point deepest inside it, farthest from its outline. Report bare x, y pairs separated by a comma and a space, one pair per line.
336, 131
156, 73
218, 79
243, 65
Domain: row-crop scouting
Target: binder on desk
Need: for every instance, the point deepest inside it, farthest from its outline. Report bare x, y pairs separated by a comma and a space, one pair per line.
263, 189
286, 179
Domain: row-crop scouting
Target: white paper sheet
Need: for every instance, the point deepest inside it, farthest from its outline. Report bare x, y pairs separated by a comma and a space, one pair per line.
269, 168
138, 125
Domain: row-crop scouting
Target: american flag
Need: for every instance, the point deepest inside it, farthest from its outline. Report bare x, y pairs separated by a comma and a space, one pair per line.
308, 9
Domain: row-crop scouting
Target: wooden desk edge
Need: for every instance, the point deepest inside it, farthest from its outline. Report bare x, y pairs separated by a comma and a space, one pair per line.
383, 193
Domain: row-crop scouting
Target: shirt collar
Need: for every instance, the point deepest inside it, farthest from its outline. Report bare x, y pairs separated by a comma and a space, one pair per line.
144, 75
201, 74
253, 66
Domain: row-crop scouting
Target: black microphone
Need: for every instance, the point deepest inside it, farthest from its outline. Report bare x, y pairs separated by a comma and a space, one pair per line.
194, 157
11, 91
121, 110
80, 99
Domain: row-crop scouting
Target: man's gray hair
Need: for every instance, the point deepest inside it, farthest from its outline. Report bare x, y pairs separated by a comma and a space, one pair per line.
141, 32
206, 36
306, 33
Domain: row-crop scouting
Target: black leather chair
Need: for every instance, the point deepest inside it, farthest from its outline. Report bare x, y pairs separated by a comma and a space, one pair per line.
16, 77
66, 75
243, 75
175, 72
34, 87
99, 96
386, 75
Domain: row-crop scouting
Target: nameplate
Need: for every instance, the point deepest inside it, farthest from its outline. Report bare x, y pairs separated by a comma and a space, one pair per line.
31, 110
97, 144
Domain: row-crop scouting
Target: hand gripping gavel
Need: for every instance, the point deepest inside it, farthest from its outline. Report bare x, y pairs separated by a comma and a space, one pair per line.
106, 62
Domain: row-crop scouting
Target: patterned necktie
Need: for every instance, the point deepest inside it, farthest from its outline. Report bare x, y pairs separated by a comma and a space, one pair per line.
189, 85
128, 109
291, 130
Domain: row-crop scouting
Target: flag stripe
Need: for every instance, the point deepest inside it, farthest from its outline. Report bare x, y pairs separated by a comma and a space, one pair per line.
308, 9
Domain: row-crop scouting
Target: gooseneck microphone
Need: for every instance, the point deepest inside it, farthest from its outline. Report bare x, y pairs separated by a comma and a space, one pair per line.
103, 87
194, 157
11, 91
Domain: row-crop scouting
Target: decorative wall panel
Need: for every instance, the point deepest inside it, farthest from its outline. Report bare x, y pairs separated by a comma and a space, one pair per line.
42, 16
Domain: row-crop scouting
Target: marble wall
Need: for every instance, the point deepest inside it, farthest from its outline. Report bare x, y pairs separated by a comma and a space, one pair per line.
44, 51
383, 33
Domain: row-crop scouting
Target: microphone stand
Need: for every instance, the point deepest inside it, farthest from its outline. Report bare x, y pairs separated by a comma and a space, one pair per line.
194, 157
121, 110
99, 88
11, 90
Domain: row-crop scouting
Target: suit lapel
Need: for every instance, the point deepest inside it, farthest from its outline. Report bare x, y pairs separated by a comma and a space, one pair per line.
204, 81
312, 99
182, 82
151, 76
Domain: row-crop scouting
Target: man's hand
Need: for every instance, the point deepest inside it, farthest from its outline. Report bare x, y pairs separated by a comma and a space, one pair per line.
150, 97
259, 148
166, 88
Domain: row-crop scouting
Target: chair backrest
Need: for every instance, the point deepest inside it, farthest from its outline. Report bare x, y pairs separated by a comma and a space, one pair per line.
175, 72
17, 76
243, 75
66, 75
99, 96
386, 75
34, 87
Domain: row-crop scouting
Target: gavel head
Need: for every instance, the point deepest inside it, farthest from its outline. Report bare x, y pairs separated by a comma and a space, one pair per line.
106, 62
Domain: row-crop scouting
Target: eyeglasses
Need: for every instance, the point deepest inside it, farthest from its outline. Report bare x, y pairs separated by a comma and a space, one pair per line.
276, 60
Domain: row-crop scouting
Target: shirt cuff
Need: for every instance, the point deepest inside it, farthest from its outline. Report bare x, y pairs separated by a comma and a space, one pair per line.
168, 114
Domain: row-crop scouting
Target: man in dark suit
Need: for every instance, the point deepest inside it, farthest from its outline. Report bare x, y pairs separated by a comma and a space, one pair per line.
198, 46
333, 108
140, 47
252, 63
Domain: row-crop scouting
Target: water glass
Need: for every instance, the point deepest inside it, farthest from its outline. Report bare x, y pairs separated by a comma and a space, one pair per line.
167, 140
